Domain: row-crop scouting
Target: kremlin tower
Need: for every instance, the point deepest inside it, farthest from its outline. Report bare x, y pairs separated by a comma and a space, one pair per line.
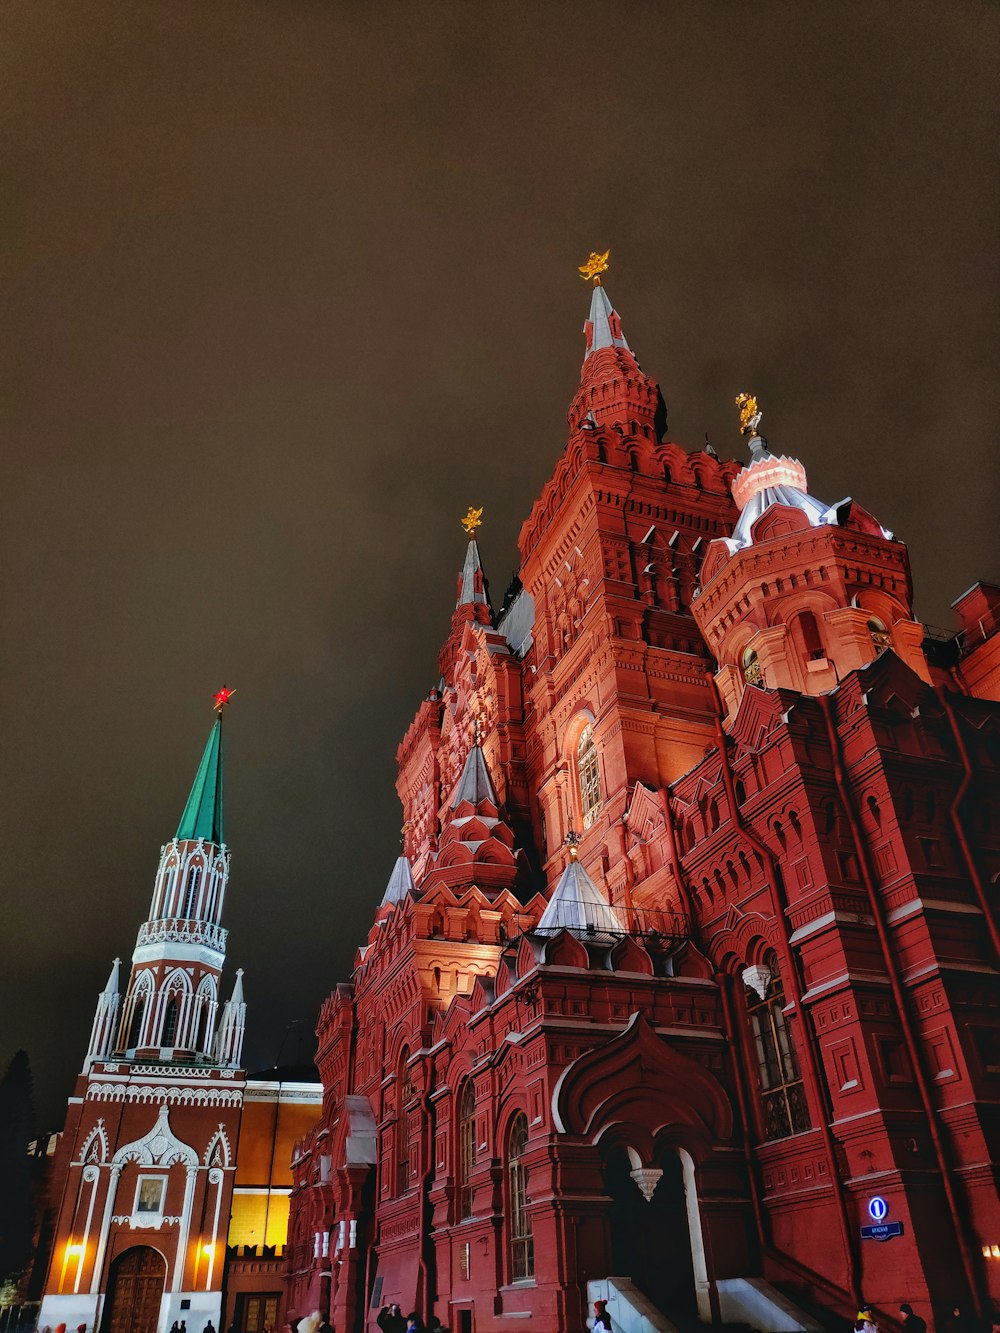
682, 994
148, 1152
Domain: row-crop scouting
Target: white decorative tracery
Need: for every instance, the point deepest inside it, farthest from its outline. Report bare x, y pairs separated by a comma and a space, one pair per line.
160, 1147
96, 1148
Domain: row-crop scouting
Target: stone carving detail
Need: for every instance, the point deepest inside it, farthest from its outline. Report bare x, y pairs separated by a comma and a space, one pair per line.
647, 1178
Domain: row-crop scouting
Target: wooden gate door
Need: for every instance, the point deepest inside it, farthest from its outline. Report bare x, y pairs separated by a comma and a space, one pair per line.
137, 1279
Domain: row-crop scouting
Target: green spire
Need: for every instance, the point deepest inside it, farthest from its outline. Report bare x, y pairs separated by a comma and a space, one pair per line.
202, 817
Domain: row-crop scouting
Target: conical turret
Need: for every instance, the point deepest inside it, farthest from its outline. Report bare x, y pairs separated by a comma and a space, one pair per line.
579, 906
400, 885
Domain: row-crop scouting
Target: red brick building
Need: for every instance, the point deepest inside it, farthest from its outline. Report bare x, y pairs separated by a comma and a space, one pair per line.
689, 969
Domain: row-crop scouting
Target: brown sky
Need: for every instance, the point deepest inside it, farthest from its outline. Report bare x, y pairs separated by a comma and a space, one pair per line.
287, 285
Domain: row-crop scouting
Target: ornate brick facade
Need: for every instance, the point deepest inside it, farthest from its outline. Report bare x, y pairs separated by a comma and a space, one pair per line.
765, 991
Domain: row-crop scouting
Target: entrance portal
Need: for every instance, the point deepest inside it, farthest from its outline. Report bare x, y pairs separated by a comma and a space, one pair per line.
134, 1292
650, 1241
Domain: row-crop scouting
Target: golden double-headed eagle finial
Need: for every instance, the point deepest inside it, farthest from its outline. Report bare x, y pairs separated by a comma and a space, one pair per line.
750, 413
472, 521
595, 266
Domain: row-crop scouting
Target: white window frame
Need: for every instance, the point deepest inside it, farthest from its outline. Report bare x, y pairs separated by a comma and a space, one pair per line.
146, 1214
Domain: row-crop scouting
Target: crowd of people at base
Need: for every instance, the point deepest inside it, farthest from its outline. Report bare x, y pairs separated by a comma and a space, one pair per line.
392, 1320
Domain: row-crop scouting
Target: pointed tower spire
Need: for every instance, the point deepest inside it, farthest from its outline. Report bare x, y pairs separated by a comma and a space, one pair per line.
613, 389
229, 1043
472, 582
476, 841
172, 997
603, 327
102, 1034
400, 885
202, 817
475, 785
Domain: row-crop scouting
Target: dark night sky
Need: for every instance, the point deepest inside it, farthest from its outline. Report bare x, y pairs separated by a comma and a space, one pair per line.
288, 285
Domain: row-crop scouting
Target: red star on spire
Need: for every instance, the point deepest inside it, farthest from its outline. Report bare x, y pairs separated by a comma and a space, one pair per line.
220, 699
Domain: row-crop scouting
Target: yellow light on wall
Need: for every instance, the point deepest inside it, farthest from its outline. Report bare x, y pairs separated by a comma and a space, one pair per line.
208, 1251
74, 1249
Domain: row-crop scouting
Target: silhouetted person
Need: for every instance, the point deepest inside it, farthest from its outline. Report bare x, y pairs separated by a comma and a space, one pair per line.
391, 1319
912, 1322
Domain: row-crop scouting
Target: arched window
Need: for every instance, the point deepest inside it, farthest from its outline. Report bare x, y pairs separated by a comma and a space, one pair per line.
753, 672
466, 1147
881, 637
590, 779
522, 1244
170, 1016
193, 880
135, 1027
783, 1100
403, 1127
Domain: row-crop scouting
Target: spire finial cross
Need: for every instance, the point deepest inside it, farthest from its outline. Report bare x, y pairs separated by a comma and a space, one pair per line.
472, 521
596, 265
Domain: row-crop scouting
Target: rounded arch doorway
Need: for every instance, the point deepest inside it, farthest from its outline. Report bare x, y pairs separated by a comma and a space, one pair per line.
650, 1230
135, 1291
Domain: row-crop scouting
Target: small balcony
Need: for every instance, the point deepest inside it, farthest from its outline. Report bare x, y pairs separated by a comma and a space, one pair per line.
179, 930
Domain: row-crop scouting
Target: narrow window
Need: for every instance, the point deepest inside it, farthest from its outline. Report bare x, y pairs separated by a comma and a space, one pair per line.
753, 673
781, 1093
522, 1244
170, 1021
199, 1044
403, 1137
194, 879
590, 781
466, 1147
135, 1027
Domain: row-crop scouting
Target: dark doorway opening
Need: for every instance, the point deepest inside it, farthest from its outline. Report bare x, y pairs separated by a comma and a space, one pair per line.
650, 1240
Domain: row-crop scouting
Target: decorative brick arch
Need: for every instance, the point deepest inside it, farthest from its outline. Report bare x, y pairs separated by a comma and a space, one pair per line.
637, 1077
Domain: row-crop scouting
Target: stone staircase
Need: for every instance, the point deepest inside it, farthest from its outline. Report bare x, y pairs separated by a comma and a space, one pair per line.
747, 1305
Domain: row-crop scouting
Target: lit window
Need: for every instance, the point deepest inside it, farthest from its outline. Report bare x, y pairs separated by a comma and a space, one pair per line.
466, 1147
522, 1244
753, 672
590, 781
783, 1099
881, 637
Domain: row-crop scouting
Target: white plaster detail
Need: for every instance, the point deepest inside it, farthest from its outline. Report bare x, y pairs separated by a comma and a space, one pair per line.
758, 978
160, 1147
647, 1178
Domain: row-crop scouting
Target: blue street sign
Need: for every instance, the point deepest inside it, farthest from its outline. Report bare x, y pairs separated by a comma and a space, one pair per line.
882, 1231
877, 1208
